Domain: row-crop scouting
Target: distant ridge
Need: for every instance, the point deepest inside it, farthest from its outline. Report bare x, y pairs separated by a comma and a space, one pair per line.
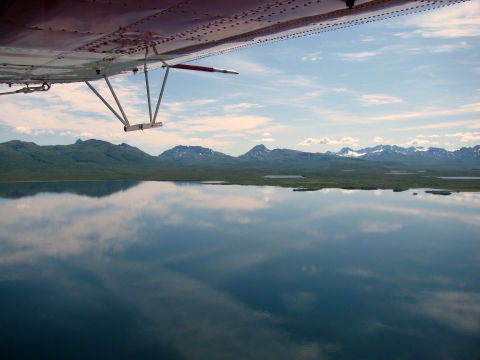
256, 152
415, 155
261, 153
189, 155
346, 151
96, 156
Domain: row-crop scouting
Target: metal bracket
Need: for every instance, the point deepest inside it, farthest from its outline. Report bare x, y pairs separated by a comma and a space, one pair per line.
28, 90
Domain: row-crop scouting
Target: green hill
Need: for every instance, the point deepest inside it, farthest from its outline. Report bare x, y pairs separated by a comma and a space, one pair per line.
101, 160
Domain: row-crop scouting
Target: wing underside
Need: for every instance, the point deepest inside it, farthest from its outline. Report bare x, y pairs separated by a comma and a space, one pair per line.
61, 41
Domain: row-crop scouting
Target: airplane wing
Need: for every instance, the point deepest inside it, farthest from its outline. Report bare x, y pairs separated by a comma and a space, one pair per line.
62, 41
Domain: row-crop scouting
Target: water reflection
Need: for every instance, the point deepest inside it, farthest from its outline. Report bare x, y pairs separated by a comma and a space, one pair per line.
88, 188
190, 271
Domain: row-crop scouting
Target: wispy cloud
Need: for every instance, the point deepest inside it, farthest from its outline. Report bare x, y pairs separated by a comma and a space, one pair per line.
466, 136
313, 94
464, 109
379, 227
378, 139
227, 123
241, 107
420, 142
312, 57
266, 140
325, 140
179, 106
360, 56
440, 125
378, 99
450, 47
458, 310
203, 102
462, 20
367, 38
248, 66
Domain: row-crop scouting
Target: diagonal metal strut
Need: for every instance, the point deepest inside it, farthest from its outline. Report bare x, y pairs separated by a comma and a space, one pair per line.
152, 124
105, 102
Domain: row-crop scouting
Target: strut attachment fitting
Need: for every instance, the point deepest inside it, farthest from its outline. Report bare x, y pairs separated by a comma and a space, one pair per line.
152, 124
28, 90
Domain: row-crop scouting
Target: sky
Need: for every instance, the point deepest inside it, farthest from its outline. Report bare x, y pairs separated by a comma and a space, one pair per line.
409, 81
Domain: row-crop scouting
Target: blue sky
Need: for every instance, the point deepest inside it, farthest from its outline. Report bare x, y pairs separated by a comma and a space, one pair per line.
407, 81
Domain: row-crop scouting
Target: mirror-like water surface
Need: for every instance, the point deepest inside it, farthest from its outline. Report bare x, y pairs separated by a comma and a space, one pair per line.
189, 271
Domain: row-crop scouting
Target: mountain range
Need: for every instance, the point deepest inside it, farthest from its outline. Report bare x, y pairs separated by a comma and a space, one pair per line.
104, 155
468, 156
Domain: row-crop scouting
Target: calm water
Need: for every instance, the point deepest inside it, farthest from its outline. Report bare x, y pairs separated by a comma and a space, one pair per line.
119, 270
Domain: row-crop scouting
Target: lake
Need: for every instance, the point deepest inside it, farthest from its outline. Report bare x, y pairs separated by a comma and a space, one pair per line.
162, 270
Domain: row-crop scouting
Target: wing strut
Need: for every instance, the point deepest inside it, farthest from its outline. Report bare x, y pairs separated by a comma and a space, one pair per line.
152, 124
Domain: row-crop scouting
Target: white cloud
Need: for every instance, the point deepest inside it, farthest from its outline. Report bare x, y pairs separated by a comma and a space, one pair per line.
368, 38
202, 102
464, 109
378, 139
44, 132
266, 134
360, 56
85, 135
22, 130
241, 106
312, 57
450, 47
266, 140
174, 106
417, 142
461, 20
378, 99
466, 136
232, 123
325, 140
27, 130
312, 94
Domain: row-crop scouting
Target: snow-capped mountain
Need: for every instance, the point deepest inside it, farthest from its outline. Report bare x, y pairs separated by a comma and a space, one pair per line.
377, 149
413, 154
256, 152
193, 154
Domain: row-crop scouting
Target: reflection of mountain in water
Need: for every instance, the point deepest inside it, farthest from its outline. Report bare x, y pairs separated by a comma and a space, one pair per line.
96, 189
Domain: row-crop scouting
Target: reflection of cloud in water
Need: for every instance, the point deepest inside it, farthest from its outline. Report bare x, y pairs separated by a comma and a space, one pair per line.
303, 302
459, 310
374, 326
199, 321
252, 241
60, 225
357, 271
238, 218
378, 227
348, 192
